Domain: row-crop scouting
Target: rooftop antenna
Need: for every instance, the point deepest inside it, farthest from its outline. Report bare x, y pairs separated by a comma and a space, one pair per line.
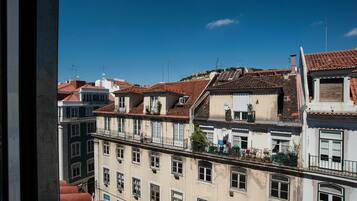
168, 71
217, 61
74, 69
325, 35
103, 73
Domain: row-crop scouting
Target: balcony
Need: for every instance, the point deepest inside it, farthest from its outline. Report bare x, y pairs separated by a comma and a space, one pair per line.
144, 139
332, 166
256, 155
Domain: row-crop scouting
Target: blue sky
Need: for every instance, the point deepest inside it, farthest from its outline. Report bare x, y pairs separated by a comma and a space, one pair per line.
137, 39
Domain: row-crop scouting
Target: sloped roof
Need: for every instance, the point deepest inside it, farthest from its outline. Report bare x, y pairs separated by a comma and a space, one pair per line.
71, 193
246, 83
132, 89
122, 83
72, 97
343, 59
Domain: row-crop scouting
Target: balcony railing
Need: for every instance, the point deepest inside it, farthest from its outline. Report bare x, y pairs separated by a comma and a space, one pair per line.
258, 155
334, 166
143, 139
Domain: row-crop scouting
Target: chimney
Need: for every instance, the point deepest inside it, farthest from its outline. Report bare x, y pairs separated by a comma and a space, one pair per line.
293, 63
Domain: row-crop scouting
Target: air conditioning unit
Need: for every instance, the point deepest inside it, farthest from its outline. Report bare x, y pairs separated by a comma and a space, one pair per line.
154, 170
177, 176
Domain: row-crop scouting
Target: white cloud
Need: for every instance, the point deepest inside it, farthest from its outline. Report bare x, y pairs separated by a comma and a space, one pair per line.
351, 33
221, 23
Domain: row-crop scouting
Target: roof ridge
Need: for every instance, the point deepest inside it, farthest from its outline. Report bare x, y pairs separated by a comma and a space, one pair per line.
335, 51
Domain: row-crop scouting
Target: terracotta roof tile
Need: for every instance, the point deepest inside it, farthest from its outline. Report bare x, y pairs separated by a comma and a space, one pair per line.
132, 89
72, 97
122, 83
343, 59
70, 193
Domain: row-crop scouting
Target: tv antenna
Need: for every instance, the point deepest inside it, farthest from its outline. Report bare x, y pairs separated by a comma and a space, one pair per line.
217, 62
325, 26
74, 70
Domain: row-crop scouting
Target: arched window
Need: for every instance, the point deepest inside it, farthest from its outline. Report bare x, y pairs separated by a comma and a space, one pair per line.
205, 171
330, 192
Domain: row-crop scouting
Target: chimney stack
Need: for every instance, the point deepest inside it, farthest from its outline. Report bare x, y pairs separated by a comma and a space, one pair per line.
293, 63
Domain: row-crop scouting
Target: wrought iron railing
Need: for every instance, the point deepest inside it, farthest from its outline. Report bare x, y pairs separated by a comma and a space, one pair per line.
250, 154
334, 166
144, 139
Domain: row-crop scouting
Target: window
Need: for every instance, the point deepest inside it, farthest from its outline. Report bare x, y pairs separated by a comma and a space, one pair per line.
106, 197
209, 135
178, 134
76, 170
91, 127
200, 199
330, 192
90, 165
74, 111
155, 161
279, 187
106, 176
120, 181
176, 196
89, 111
279, 145
121, 102
137, 127
238, 178
177, 166
120, 152
241, 141
136, 155
75, 130
106, 148
107, 123
121, 125
153, 103
331, 90
75, 149
331, 148
154, 192
90, 146
136, 187
156, 131
205, 171
240, 115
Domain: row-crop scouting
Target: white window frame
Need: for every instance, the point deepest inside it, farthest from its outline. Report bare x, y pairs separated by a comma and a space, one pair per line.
136, 182
159, 191
240, 140
173, 198
238, 172
156, 131
74, 112
179, 130
121, 124
89, 130
75, 130
330, 141
120, 152
240, 118
90, 144
76, 165
106, 148
120, 181
137, 126
331, 194
280, 182
135, 155
90, 161
153, 103
175, 164
206, 170
279, 143
74, 146
107, 123
155, 161
121, 101
106, 176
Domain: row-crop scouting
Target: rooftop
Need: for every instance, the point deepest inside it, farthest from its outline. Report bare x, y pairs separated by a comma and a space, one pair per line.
344, 59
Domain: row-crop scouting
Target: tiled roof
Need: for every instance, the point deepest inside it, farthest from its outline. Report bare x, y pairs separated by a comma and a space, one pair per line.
343, 59
353, 83
335, 114
70, 85
71, 193
72, 97
132, 89
229, 75
122, 83
246, 83
269, 72
288, 88
191, 88
90, 86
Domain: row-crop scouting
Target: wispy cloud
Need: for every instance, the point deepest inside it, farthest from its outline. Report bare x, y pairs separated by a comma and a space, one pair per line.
352, 32
317, 23
221, 23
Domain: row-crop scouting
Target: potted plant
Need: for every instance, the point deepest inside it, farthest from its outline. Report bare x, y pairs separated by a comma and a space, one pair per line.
198, 140
228, 115
159, 105
147, 110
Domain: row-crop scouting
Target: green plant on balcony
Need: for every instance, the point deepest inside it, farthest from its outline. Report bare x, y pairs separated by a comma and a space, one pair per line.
287, 159
228, 115
198, 140
147, 110
159, 105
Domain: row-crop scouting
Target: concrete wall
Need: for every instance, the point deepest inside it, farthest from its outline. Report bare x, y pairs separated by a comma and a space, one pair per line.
258, 182
264, 105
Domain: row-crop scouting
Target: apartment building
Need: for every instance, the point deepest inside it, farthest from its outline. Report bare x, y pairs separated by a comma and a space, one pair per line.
76, 102
330, 124
145, 148
112, 84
